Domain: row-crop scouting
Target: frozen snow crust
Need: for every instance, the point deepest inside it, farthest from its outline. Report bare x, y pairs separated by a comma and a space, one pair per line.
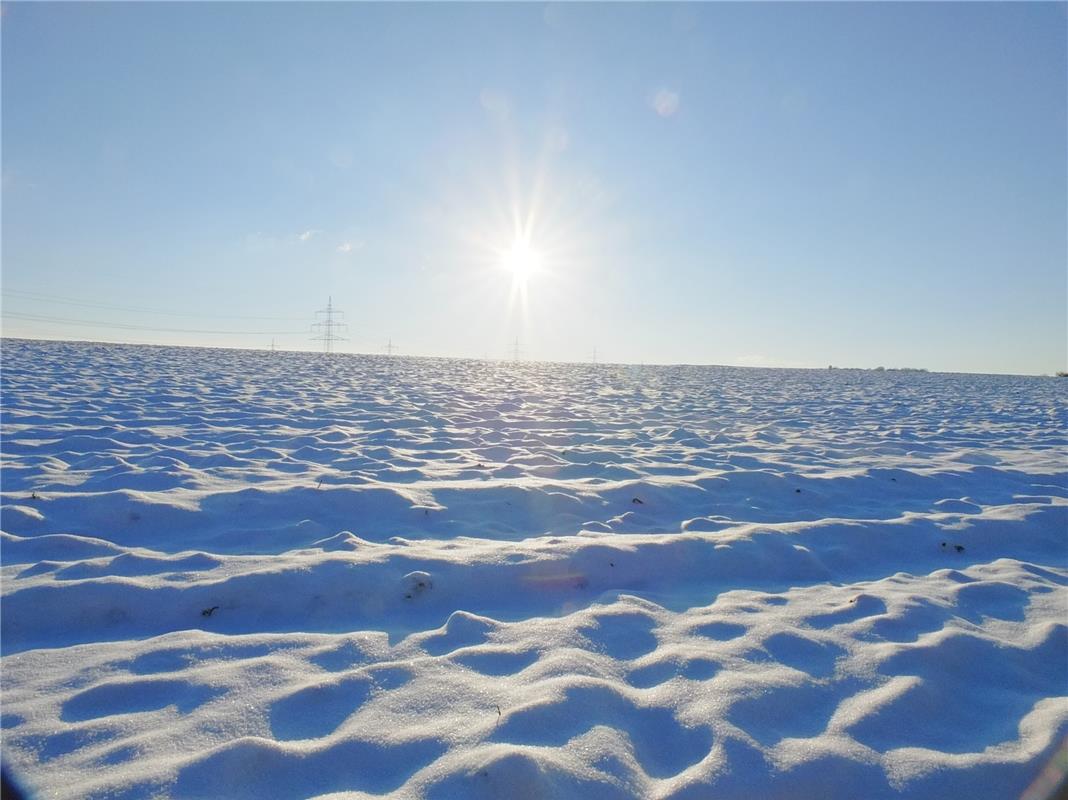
243, 575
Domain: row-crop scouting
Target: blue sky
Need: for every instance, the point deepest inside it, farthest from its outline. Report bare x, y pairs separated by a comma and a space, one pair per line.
765, 184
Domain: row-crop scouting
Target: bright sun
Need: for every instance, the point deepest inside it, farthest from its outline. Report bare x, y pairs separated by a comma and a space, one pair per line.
522, 261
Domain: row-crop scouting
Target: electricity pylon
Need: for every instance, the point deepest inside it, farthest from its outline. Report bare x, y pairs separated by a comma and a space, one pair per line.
327, 328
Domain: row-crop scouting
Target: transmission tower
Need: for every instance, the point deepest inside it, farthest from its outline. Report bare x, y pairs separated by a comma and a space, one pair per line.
390, 347
515, 350
327, 328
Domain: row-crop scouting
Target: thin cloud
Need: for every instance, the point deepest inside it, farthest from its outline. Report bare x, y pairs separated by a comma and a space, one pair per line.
665, 102
308, 234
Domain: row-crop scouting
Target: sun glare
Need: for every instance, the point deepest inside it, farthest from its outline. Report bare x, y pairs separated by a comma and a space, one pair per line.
522, 261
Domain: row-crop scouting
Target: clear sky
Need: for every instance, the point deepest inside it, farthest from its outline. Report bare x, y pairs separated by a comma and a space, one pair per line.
855, 184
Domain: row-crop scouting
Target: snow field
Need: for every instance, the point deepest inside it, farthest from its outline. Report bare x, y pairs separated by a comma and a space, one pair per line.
233, 574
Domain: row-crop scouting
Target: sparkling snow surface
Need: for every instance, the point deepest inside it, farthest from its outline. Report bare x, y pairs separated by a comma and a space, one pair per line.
456, 579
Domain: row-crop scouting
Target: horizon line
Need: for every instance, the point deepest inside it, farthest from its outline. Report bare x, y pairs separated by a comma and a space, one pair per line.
505, 360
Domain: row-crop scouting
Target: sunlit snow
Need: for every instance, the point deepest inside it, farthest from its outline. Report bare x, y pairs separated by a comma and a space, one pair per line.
252, 574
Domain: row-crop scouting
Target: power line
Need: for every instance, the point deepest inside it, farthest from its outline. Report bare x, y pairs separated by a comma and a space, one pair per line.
327, 327
20, 294
124, 326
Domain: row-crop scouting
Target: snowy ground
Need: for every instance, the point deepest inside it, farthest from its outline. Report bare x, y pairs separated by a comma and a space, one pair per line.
453, 579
